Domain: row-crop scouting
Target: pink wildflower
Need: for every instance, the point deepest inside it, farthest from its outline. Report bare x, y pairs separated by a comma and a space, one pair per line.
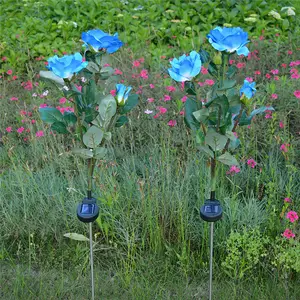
118, 72
144, 74
209, 82
284, 65
257, 72
268, 76
204, 71
284, 147
288, 233
113, 93
183, 99
8, 129
250, 79
274, 96
20, 130
274, 71
162, 110
43, 105
39, 133
167, 98
252, 163
171, 88
14, 99
9, 72
136, 64
233, 170
172, 123
287, 200
62, 100
281, 124
297, 94
150, 100
240, 65
292, 216
152, 86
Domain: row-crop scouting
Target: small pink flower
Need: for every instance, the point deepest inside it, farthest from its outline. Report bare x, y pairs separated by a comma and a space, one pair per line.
281, 124
268, 116
152, 86
233, 170
150, 100
250, 79
288, 233
136, 64
106, 65
240, 65
156, 116
62, 100
43, 105
14, 99
8, 129
144, 74
209, 82
284, 65
204, 71
274, 96
292, 216
172, 123
33, 121
284, 147
78, 87
142, 59
162, 110
268, 76
113, 93
9, 72
201, 83
231, 61
23, 113
4, 58
257, 72
275, 71
287, 200
181, 112
20, 130
235, 134
276, 78
290, 52
295, 76
167, 98
14, 77
118, 72
252, 163
39, 133
171, 88
297, 94
183, 99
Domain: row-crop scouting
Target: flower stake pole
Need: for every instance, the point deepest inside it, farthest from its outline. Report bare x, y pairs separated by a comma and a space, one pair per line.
95, 111
214, 121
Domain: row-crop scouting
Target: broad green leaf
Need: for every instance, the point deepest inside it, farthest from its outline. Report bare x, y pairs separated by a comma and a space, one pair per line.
106, 72
70, 118
90, 114
51, 76
131, 102
213, 69
121, 121
107, 108
228, 159
50, 115
82, 152
206, 150
192, 105
59, 127
260, 110
227, 84
215, 140
92, 67
231, 71
107, 136
204, 56
201, 115
189, 88
76, 237
100, 152
222, 103
93, 137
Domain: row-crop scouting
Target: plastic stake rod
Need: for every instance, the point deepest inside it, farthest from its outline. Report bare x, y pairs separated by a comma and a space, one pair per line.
92, 261
211, 259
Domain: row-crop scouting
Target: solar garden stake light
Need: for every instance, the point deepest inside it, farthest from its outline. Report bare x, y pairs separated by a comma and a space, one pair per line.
95, 111
215, 120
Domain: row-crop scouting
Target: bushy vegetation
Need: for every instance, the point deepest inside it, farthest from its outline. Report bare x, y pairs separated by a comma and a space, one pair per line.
149, 239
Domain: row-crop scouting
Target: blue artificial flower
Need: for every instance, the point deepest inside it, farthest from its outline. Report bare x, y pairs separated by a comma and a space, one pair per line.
122, 94
98, 39
248, 89
186, 67
229, 40
66, 66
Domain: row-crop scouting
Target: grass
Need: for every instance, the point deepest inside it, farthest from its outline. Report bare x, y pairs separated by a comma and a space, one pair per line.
150, 242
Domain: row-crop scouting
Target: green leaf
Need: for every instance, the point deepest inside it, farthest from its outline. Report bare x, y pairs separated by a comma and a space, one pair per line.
100, 152
107, 108
231, 71
92, 67
201, 115
107, 136
215, 140
50, 115
106, 72
121, 121
204, 56
70, 118
76, 237
90, 114
59, 127
222, 103
131, 102
213, 69
191, 106
93, 137
206, 150
51, 76
90, 92
227, 84
246, 120
83, 153
228, 159
189, 88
